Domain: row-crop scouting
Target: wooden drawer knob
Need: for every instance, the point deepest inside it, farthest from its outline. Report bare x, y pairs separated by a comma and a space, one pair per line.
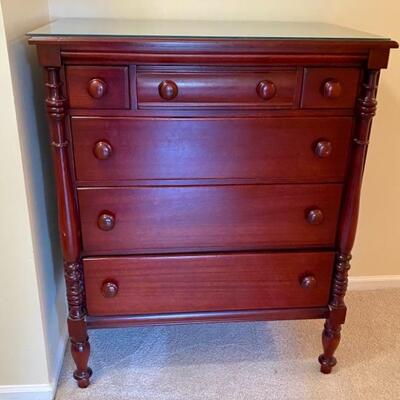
168, 90
106, 221
315, 216
323, 149
266, 90
109, 289
97, 88
332, 89
102, 150
308, 282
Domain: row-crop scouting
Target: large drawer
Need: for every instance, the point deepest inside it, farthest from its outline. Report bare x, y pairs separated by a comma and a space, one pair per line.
271, 149
197, 218
172, 284
229, 88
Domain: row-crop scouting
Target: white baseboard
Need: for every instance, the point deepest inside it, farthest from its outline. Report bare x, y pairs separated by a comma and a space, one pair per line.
40, 391
374, 282
27, 392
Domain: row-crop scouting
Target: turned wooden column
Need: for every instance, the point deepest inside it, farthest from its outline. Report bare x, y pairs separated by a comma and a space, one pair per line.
68, 226
366, 108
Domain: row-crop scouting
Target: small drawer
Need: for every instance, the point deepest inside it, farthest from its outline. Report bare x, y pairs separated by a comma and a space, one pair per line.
283, 150
269, 89
96, 87
173, 284
330, 87
207, 218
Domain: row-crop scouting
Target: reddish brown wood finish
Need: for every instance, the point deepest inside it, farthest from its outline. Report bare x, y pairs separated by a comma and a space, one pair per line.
274, 149
348, 221
119, 321
241, 129
148, 285
69, 228
194, 218
98, 87
218, 88
330, 87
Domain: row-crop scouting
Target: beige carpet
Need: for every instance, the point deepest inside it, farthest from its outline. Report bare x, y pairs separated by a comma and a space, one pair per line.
248, 361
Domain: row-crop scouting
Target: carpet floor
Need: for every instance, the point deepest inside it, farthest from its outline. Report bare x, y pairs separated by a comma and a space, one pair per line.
248, 361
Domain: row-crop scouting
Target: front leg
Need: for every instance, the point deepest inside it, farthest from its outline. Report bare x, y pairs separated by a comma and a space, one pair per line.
337, 315
330, 342
80, 350
80, 347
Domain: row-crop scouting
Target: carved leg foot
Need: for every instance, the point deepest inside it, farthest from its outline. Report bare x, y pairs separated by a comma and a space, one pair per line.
330, 342
80, 350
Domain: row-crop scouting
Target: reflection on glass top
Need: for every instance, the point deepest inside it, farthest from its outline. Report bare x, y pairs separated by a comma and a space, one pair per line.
198, 29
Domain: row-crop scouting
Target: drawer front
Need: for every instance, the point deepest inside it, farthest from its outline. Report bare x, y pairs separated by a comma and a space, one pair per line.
275, 88
274, 149
191, 218
330, 87
171, 284
94, 87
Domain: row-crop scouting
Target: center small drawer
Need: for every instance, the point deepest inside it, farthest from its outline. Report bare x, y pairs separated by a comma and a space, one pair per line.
269, 149
266, 89
203, 218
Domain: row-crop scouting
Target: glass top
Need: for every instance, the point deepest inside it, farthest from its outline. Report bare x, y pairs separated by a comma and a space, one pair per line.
199, 29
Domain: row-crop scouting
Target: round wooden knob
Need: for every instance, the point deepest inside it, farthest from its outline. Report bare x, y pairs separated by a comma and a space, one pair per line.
323, 149
308, 282
315, 216
102, 150
168, 90
97, 88
106, 221
266, 90
109, 289
332, 89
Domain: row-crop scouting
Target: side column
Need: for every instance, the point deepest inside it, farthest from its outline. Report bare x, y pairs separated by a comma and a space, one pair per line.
69, 227
366, 108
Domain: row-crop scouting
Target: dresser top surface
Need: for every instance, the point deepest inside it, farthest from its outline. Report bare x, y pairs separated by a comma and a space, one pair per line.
200, 29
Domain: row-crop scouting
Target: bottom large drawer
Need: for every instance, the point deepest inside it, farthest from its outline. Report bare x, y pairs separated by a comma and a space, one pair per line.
190, 283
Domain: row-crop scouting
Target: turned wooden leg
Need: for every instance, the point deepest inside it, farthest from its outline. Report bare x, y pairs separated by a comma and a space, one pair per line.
80, 350
337, 314
330, 342
80, 347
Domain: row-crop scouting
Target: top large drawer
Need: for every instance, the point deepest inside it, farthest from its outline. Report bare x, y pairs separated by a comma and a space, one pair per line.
265, 89
268, 149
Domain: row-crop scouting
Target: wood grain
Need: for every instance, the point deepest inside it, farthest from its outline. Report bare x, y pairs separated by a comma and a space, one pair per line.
173, 284
153, 219
330, 87
270, 149
218, 88
82, 92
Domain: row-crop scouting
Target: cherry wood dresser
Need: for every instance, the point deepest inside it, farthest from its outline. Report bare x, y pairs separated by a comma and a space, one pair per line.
207, 172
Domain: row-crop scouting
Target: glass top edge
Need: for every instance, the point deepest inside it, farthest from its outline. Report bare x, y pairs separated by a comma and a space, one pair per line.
183, 29
166, 37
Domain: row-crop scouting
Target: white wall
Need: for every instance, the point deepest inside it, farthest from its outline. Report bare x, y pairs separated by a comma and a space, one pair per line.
22, 340
35, 303
376, 249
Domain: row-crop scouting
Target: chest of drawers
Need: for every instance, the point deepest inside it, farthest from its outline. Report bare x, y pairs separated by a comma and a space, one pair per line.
208, 177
